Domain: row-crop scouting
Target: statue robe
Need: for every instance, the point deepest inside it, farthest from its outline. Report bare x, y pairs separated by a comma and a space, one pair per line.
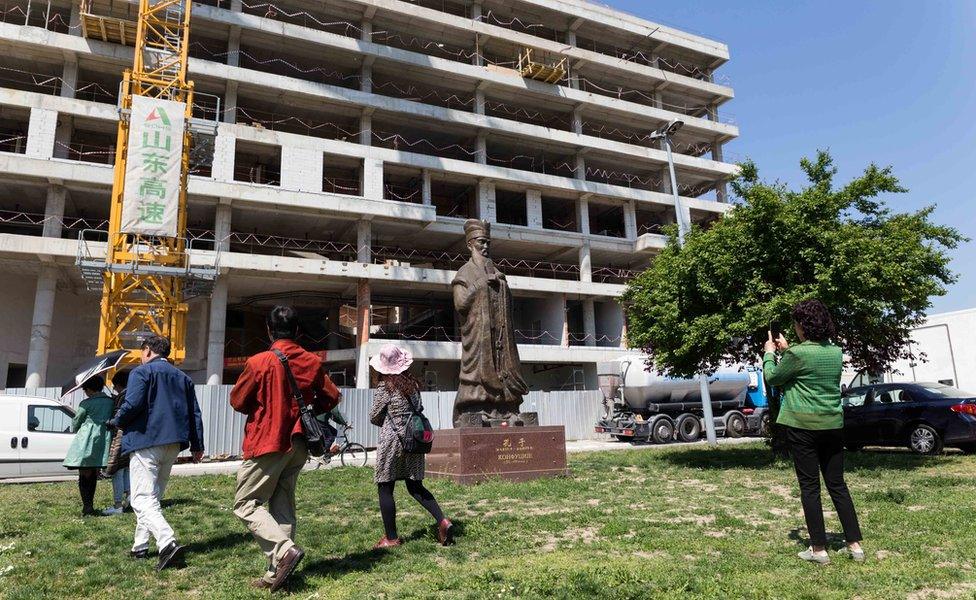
491, 374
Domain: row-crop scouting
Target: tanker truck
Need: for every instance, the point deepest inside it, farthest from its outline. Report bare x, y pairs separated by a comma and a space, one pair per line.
643, 406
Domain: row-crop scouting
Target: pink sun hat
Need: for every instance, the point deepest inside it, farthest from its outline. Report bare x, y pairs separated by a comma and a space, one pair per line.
391, 360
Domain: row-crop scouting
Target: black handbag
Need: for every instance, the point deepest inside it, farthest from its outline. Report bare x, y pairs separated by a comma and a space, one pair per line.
315, 438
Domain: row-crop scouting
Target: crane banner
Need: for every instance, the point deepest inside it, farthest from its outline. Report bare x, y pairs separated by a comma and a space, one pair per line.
151, 202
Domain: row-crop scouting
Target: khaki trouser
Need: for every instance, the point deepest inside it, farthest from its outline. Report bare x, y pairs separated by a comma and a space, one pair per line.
265, 499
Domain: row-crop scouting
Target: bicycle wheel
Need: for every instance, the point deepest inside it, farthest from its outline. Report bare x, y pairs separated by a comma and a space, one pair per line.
353, 455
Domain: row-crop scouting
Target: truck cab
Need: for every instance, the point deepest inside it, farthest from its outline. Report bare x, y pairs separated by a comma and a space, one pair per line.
35, 434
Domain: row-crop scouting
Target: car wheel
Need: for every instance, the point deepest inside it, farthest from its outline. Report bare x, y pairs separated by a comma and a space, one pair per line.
662, 430
765, 425
924, 440
735, 424
689, 427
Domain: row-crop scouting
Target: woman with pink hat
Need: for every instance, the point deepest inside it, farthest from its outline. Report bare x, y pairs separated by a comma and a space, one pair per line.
397, 397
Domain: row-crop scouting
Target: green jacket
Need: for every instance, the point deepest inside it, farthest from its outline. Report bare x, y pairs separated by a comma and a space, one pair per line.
89, 449
809, 375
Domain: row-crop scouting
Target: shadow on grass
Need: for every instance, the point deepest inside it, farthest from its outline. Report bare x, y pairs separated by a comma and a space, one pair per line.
835, 541
762, 458
228, 540
365, 560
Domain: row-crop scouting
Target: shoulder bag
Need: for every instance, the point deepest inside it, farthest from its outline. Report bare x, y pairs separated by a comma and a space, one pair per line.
317, 437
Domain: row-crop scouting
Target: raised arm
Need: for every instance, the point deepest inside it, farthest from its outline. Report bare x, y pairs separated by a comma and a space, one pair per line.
782, 373
326, 395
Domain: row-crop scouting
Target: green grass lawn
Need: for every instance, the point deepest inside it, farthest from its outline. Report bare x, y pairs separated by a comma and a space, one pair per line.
667, 523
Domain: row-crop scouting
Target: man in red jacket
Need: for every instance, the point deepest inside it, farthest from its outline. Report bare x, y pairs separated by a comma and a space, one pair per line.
274, 447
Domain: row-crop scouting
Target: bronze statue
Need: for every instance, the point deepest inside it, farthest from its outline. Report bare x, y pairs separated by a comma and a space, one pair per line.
491, 384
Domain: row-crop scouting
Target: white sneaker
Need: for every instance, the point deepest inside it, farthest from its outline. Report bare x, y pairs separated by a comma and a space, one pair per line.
115, 510
820, 558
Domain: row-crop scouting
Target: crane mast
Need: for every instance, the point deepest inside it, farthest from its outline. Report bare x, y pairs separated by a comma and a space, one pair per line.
146, 272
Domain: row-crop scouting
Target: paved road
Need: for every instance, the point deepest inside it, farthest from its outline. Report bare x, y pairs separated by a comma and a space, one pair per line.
231, 466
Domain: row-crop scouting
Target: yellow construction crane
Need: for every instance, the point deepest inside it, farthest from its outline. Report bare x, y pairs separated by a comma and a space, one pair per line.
146, 275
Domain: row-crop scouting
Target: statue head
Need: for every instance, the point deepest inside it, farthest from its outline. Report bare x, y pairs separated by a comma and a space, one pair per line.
477, 235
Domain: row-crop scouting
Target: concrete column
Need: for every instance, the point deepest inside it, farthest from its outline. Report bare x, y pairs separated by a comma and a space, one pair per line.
533, 209
222, 225
372, 183
589, 322
623, 333
571, 38
564, 342
236, 5
712, 110
630, 220
301, 169
486, 201
225, 145
722, 191
583, 216
578, 120
217, 329
217, 332
657, 100
62, 135
363, 303
665, 181
366, 128
69, 77
234, 46
479, 101
481, 148
425, 193
366, 76
230, 103
40, 337
580, 166
54, 211
586, 267
364, 241
41, 130
367, 30
476, 11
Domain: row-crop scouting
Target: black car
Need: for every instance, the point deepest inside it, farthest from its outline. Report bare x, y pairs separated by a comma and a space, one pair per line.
925, 417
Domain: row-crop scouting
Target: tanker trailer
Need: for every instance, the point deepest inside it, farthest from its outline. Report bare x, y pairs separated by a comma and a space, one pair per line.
640, 405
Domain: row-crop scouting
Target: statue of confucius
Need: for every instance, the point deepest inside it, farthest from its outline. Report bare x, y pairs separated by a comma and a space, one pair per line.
491, 384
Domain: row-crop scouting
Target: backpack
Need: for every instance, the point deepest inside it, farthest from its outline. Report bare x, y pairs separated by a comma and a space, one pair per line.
418, 435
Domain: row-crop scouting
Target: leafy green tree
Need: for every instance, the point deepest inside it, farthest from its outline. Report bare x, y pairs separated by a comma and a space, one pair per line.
711, 302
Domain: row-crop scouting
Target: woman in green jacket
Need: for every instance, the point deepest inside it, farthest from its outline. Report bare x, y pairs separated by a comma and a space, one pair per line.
811, 412
89, 450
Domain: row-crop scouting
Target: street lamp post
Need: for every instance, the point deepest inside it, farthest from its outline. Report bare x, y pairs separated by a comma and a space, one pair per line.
665, 134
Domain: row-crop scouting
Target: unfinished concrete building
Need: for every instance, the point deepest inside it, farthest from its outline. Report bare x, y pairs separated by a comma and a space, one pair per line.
355, 137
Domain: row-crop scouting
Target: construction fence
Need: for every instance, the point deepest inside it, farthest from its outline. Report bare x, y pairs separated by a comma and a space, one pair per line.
577, 411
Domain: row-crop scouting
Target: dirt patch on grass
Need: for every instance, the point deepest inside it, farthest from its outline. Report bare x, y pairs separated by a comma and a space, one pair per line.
959, 590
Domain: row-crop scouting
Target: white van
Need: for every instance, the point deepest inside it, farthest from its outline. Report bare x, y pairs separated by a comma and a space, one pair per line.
35, 434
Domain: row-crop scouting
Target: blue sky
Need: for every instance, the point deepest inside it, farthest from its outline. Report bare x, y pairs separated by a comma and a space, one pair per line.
888, 81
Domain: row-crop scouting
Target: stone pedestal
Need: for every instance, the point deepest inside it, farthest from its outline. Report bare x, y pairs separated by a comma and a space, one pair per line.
470, 455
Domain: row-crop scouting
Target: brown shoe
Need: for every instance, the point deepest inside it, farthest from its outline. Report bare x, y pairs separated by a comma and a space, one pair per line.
387, 543
285, 567
445, 533
260, 584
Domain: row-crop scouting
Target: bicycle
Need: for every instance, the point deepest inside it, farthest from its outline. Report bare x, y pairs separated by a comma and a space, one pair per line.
351, 454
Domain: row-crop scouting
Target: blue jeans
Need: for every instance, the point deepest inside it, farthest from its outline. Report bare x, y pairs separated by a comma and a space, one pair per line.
120, 485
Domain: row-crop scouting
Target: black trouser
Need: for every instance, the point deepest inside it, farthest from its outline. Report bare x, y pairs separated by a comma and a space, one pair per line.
388, 505
815, 452
87, 480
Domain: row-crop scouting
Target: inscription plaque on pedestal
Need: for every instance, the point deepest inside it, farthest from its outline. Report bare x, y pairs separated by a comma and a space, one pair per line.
470, 455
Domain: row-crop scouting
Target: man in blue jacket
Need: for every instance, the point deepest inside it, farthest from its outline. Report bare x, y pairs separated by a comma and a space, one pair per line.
160, 417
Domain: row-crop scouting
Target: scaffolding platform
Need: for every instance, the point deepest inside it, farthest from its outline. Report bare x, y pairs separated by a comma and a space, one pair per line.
545, 72
198, 279
96, 25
